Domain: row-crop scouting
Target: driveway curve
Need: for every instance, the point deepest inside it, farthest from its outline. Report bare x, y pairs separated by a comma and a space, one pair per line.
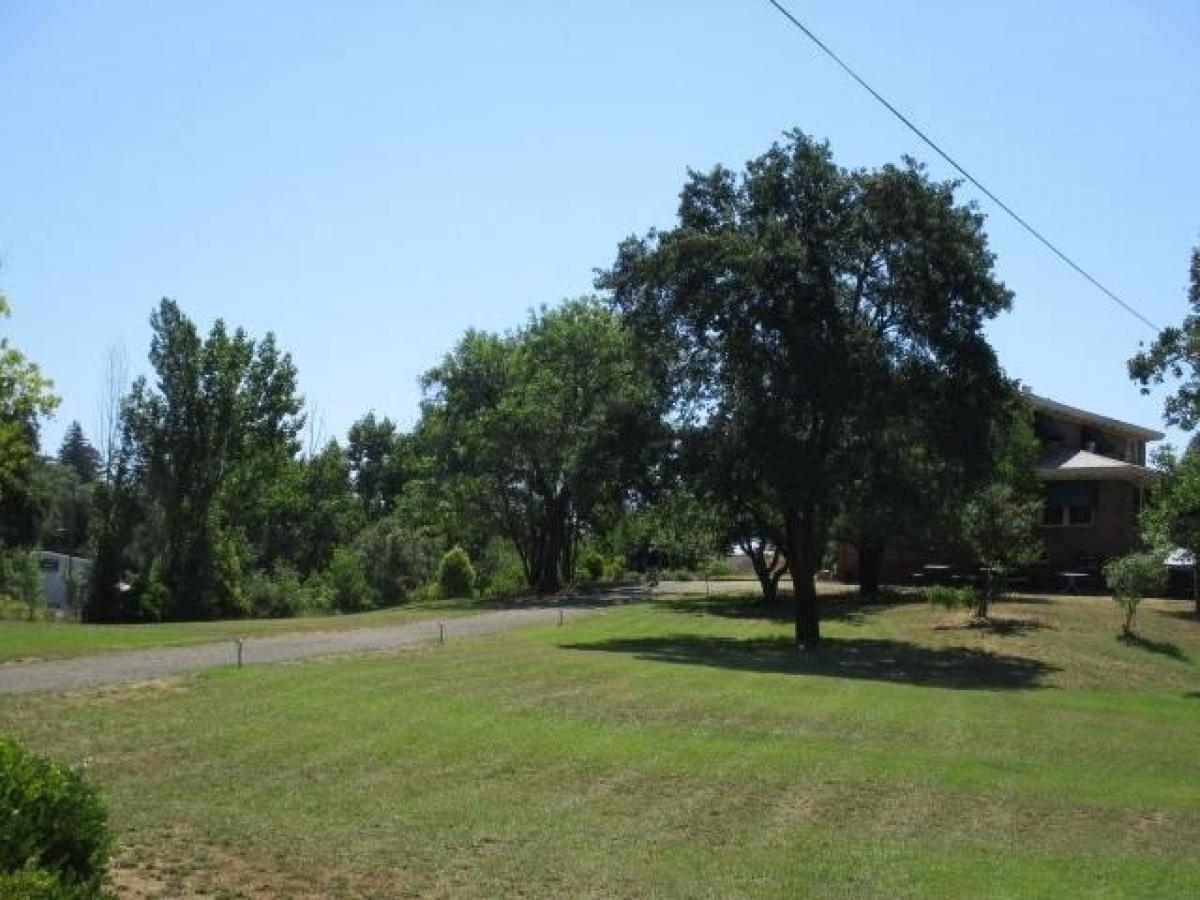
140, 665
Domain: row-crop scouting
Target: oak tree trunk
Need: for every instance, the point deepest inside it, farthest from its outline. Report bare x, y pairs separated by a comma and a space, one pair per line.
870, 567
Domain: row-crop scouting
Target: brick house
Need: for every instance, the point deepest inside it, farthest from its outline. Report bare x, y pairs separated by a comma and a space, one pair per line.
1095, 478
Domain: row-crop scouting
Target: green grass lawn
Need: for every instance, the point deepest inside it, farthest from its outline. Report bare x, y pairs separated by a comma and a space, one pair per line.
676, 749
45, 639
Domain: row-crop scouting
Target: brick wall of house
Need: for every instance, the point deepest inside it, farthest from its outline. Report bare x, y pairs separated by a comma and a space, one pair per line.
1113, 531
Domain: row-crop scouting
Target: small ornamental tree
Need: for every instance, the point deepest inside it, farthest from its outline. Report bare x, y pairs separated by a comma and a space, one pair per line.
456, 575
1131, 578
54, 839
998, 525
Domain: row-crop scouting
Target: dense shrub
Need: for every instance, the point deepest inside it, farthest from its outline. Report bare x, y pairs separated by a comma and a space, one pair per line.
591, 564
282, 595
1131, 578
148, 599
54, 840
349, 586
399, 559
456, 575
718, 567
498, 570
614, 568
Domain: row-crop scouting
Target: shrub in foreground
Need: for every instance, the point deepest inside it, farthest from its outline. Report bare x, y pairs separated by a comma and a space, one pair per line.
1132, 578
54, 840
456, 575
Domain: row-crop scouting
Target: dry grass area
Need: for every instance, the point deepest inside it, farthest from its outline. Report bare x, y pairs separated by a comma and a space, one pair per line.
681, 747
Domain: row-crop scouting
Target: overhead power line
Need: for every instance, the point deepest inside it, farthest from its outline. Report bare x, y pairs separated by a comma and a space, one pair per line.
786, 13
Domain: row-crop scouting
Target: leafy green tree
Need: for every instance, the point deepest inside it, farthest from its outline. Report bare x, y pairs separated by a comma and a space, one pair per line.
25, 397
785, 301
737, 498
1172, 517
380, 463
78, 453
538, 430
212, 438
1175, 355
999, 520
330, 515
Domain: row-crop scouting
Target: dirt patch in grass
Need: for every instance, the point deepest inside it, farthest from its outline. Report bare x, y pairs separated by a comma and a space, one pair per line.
177, 864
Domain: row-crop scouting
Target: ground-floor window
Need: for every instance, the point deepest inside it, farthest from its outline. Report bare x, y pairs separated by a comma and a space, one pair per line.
1067, 515
1069, 503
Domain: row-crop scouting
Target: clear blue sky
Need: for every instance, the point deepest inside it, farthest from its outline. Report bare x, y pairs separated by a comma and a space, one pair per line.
370, 179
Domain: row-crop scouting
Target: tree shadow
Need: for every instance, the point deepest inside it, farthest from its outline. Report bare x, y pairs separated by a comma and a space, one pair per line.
1187, 615
866, 658
1164, 648
998, 626
851, 608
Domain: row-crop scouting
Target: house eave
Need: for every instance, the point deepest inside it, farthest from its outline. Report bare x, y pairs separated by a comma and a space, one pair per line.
1084, 417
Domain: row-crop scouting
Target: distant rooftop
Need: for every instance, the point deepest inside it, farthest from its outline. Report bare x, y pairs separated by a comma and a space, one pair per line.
1083, 416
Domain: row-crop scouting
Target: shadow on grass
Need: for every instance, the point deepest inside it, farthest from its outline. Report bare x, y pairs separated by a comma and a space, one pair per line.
1186, 615
850, 608
870, 659
1164, 648
997, 626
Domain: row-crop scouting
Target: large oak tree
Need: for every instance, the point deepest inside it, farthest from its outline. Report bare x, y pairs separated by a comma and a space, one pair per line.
786, 303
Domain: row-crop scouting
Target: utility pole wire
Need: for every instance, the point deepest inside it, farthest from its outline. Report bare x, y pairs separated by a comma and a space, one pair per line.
783, 10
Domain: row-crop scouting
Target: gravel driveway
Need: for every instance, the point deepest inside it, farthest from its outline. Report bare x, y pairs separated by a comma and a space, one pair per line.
139, 665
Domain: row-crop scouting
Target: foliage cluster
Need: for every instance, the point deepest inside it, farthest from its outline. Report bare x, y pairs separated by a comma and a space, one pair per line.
54, 840
456, 575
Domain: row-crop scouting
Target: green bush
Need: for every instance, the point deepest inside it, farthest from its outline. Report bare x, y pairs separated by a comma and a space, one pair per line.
456, 575
349, 586
952, 597
1131, 578
399, 559
22, 576
591, 564
148, 599
54, 840
718, 567
283, 595
614, 568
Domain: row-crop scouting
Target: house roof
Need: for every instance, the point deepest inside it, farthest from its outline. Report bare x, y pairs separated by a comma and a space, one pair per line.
1082, 465
1082, 416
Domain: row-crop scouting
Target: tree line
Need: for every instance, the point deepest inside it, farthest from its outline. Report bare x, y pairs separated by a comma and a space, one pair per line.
800, 358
